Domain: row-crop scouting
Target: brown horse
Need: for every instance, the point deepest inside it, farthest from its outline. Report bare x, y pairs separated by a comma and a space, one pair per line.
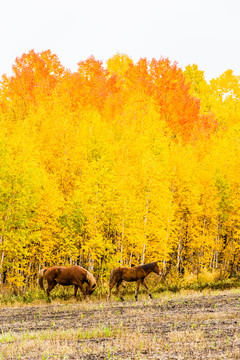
72, 275
136, 273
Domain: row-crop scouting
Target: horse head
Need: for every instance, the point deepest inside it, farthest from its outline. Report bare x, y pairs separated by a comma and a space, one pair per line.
156, 269
90, 289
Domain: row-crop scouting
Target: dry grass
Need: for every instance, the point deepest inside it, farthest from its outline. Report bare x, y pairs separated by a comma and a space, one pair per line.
173, 326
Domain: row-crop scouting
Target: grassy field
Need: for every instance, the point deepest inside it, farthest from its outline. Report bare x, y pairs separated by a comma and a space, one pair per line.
183, 325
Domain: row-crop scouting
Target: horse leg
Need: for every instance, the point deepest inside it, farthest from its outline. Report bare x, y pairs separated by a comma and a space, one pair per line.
110, 289
137, 287
118, 290
80, 285
51, 285
75, 290
146, 286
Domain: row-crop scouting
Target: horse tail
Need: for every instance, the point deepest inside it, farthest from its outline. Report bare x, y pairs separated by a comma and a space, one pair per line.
41, 277
111, 277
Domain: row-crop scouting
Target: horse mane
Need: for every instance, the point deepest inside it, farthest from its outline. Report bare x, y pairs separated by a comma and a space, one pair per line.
90, 279
148, 266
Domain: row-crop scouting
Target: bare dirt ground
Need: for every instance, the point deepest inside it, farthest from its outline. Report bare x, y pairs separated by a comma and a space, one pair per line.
186, 326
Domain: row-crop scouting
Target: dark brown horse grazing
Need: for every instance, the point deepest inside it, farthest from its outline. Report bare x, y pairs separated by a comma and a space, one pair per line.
72, 275
135, 273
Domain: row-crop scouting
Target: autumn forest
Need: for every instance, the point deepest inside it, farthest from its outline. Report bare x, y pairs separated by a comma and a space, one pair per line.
123, 163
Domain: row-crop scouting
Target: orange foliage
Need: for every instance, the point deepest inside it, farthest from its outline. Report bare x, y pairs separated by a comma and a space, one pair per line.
35, 75
166, 83
102, 166
98, 84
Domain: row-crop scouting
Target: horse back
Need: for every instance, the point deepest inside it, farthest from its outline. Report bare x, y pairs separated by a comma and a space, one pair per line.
66, 275
127, 274
134, 273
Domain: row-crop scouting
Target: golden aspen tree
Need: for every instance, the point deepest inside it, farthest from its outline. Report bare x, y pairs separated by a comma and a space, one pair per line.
117, 166
225, 98
119, 64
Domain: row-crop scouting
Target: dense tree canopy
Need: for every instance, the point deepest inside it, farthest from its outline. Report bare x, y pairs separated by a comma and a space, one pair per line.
117, 165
